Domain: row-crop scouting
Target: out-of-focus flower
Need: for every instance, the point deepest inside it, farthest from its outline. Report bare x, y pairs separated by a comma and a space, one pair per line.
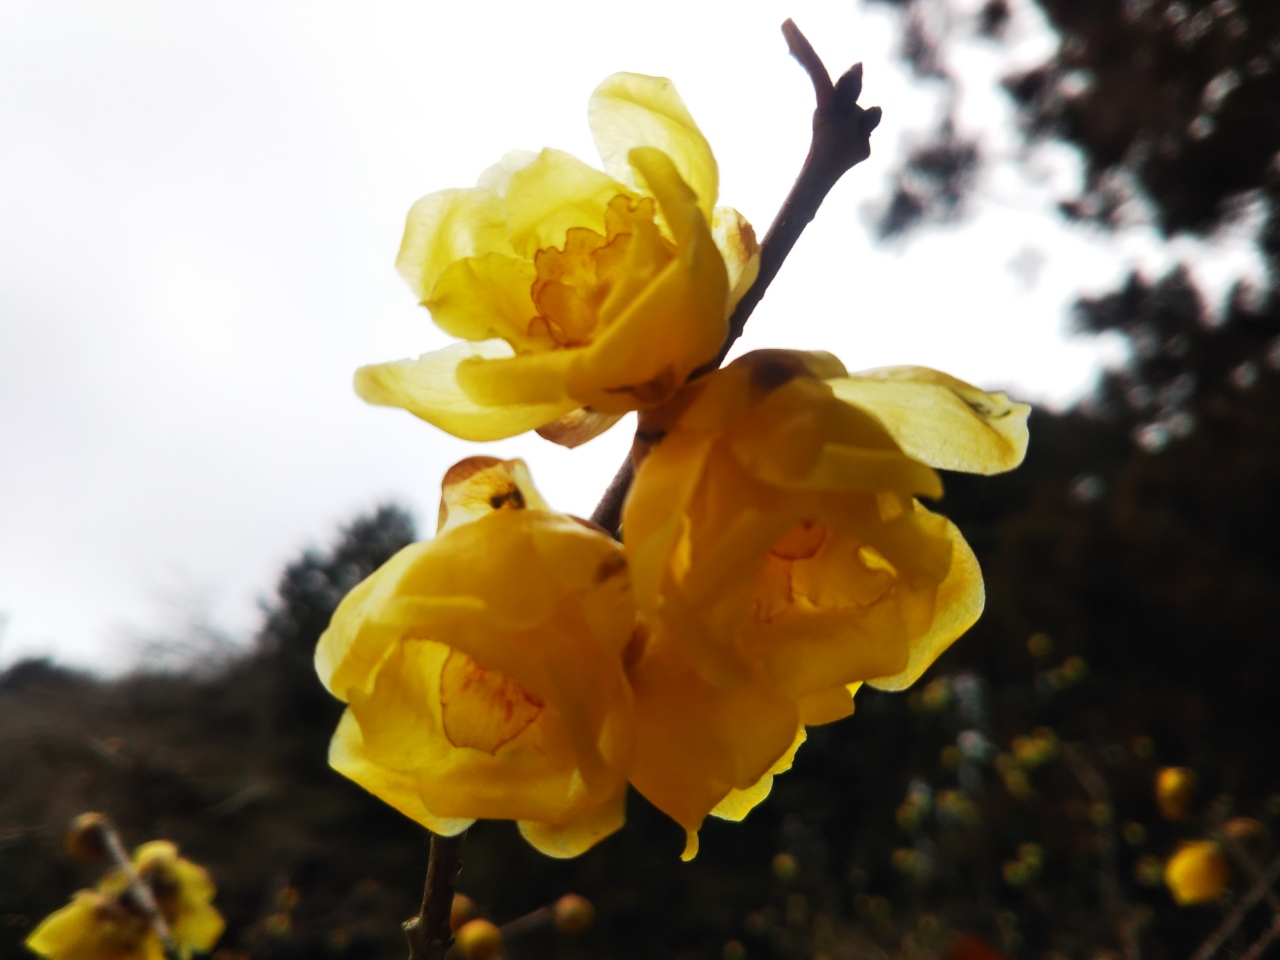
483, 669
479, 940
1246, 831
781, 559
106, 924
1197, 873
1175, 789
573, 914
577, 295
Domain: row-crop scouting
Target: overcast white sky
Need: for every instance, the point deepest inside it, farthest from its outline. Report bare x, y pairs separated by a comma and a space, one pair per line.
200, 205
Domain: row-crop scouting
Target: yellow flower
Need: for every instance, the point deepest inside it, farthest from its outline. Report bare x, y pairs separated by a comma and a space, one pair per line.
1175, 789
780, 559
578, 295
1197, 873
104, 924
483, 669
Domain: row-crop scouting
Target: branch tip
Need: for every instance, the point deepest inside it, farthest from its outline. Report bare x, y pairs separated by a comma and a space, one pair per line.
803, 51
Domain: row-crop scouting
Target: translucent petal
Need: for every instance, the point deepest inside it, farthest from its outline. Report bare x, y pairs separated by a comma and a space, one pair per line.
552, 194
736, 240
576, 428
630, 110
679, 321
483, 298
445, 227
428, 388
940, 420
477, 486
959, 603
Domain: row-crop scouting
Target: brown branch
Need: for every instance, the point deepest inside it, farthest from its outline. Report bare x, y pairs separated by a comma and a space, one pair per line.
1260, 946
141, 895
1262, 887
841, 140
429, 933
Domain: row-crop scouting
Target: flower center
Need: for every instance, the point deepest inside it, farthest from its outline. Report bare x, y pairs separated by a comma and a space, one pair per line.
480, 708
574, 283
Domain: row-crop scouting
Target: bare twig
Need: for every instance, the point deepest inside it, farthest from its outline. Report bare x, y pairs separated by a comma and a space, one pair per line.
1263, 942
139, 892
841, 140
1261, 887
429, 933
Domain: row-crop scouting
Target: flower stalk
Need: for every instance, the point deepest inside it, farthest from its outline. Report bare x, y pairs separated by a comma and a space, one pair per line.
841, 140
429, 933
101, 829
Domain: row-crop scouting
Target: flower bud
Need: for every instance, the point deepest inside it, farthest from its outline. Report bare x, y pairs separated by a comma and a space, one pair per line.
1175, 788
573, 914
84, 841
1247, 832
480, 940
462, 911
1197, 873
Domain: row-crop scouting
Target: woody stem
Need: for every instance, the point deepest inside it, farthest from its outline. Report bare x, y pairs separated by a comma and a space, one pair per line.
138, 890
429, 933
841, 140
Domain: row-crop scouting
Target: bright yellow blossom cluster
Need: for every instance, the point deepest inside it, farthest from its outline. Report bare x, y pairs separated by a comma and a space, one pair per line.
524, 664
106, 924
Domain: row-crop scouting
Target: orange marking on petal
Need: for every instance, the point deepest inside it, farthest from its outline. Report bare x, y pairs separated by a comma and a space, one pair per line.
483, 709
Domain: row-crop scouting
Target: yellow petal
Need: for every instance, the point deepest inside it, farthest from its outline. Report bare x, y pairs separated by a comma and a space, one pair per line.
631, 110
940, 420
827, 706
738, 803
553, 193
580, 834
347, 755
350, 652
486, 298
477, 486
677, 323
736, 240
958, 605
525, 381
696, 742
576, 428
198, 928
445, 227
428, 388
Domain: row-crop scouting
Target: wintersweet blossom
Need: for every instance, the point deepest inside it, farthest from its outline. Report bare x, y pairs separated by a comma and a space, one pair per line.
578, 295
1197, 873
106, 924
781, 558
483, 671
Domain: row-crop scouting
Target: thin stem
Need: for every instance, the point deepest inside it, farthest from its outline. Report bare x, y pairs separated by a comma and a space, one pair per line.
1260, 889
140, 893
1260, 946
429, 933
841, 140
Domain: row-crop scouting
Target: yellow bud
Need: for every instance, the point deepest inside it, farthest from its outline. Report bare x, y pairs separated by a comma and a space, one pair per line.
84, 840
1197, 873
785, 867
461, 911
1246, 831
573, 914
480, 940
1039, 645
1175, 787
